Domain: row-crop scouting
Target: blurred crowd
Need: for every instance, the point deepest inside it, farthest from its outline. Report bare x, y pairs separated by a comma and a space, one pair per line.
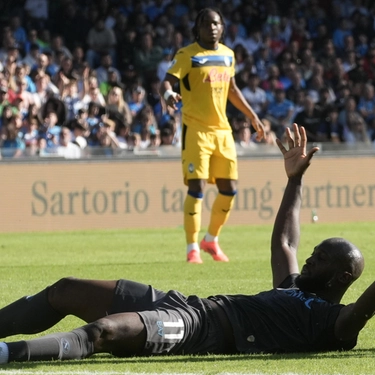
77, 74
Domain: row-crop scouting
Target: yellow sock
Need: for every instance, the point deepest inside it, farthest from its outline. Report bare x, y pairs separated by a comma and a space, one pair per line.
220, 213
192, 218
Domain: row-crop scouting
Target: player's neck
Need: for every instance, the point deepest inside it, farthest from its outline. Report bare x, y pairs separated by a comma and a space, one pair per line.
329, 296
212, 46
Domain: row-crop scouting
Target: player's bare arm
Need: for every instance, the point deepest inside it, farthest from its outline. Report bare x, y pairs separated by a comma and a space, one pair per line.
353, 317
236, 98
171, 97
286, 231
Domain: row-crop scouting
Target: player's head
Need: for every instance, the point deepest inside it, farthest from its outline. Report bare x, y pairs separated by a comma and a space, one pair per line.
333, 266
205, 20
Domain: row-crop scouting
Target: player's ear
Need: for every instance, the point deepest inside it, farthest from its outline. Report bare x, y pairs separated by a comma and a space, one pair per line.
346, 278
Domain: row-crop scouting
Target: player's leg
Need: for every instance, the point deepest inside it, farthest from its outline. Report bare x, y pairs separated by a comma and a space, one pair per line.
196, 152
192, 219
86, 299
223, 170
120, 334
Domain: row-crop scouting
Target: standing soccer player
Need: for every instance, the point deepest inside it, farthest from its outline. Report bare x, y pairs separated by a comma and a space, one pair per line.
205, 72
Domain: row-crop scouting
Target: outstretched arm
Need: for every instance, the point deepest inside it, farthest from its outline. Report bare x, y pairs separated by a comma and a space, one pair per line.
286, 230
353, 317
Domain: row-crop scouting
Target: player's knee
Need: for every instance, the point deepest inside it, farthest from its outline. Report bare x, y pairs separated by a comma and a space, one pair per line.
60, 292
122, 336
104, 334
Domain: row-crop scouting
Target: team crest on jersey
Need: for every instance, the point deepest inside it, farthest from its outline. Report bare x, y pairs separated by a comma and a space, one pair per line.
191, 168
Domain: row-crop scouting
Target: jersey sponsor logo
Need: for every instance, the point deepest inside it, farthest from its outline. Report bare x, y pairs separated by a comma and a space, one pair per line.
215, 76
306, 299
202, 61
211, 60
65, 345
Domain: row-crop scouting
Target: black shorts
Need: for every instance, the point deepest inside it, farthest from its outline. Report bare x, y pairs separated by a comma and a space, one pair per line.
175, 324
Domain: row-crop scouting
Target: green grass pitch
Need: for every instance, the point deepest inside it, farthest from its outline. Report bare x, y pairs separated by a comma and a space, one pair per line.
29, 262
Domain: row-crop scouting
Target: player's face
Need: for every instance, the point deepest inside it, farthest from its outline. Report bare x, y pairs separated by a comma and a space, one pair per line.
210, 28
320, 268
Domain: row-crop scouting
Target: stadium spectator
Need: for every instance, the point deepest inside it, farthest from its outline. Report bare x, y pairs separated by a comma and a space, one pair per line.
106, 65
297, 83
44, 89
233, 38
348, 113
339, 34
113, 80
280, 112
255, 40
137, 100
122, 135
263, 60
30, 136
106, 136
155, 10
37, 13
166, 137
117, 107
332, 130
311, 119
31, 58
164, 64
58, 45
7, 112
241, 57
50, 130
243, 137
21, 94
255, 96
66, 148
12, 146
355, 130
145, 122
366, 104
19, 32
72, 99
100, 40
94, 95
147, 56
41, 66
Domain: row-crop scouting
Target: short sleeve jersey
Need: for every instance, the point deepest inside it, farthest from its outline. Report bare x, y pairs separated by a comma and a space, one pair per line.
283, 320
204, 83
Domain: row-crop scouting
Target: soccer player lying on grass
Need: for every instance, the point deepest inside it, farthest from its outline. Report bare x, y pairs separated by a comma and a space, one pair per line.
301, 313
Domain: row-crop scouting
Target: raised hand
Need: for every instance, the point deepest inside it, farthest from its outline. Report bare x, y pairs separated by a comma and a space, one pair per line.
296, 160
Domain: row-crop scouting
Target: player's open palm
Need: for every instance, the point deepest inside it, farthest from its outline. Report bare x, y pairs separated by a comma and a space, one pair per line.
296, 159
